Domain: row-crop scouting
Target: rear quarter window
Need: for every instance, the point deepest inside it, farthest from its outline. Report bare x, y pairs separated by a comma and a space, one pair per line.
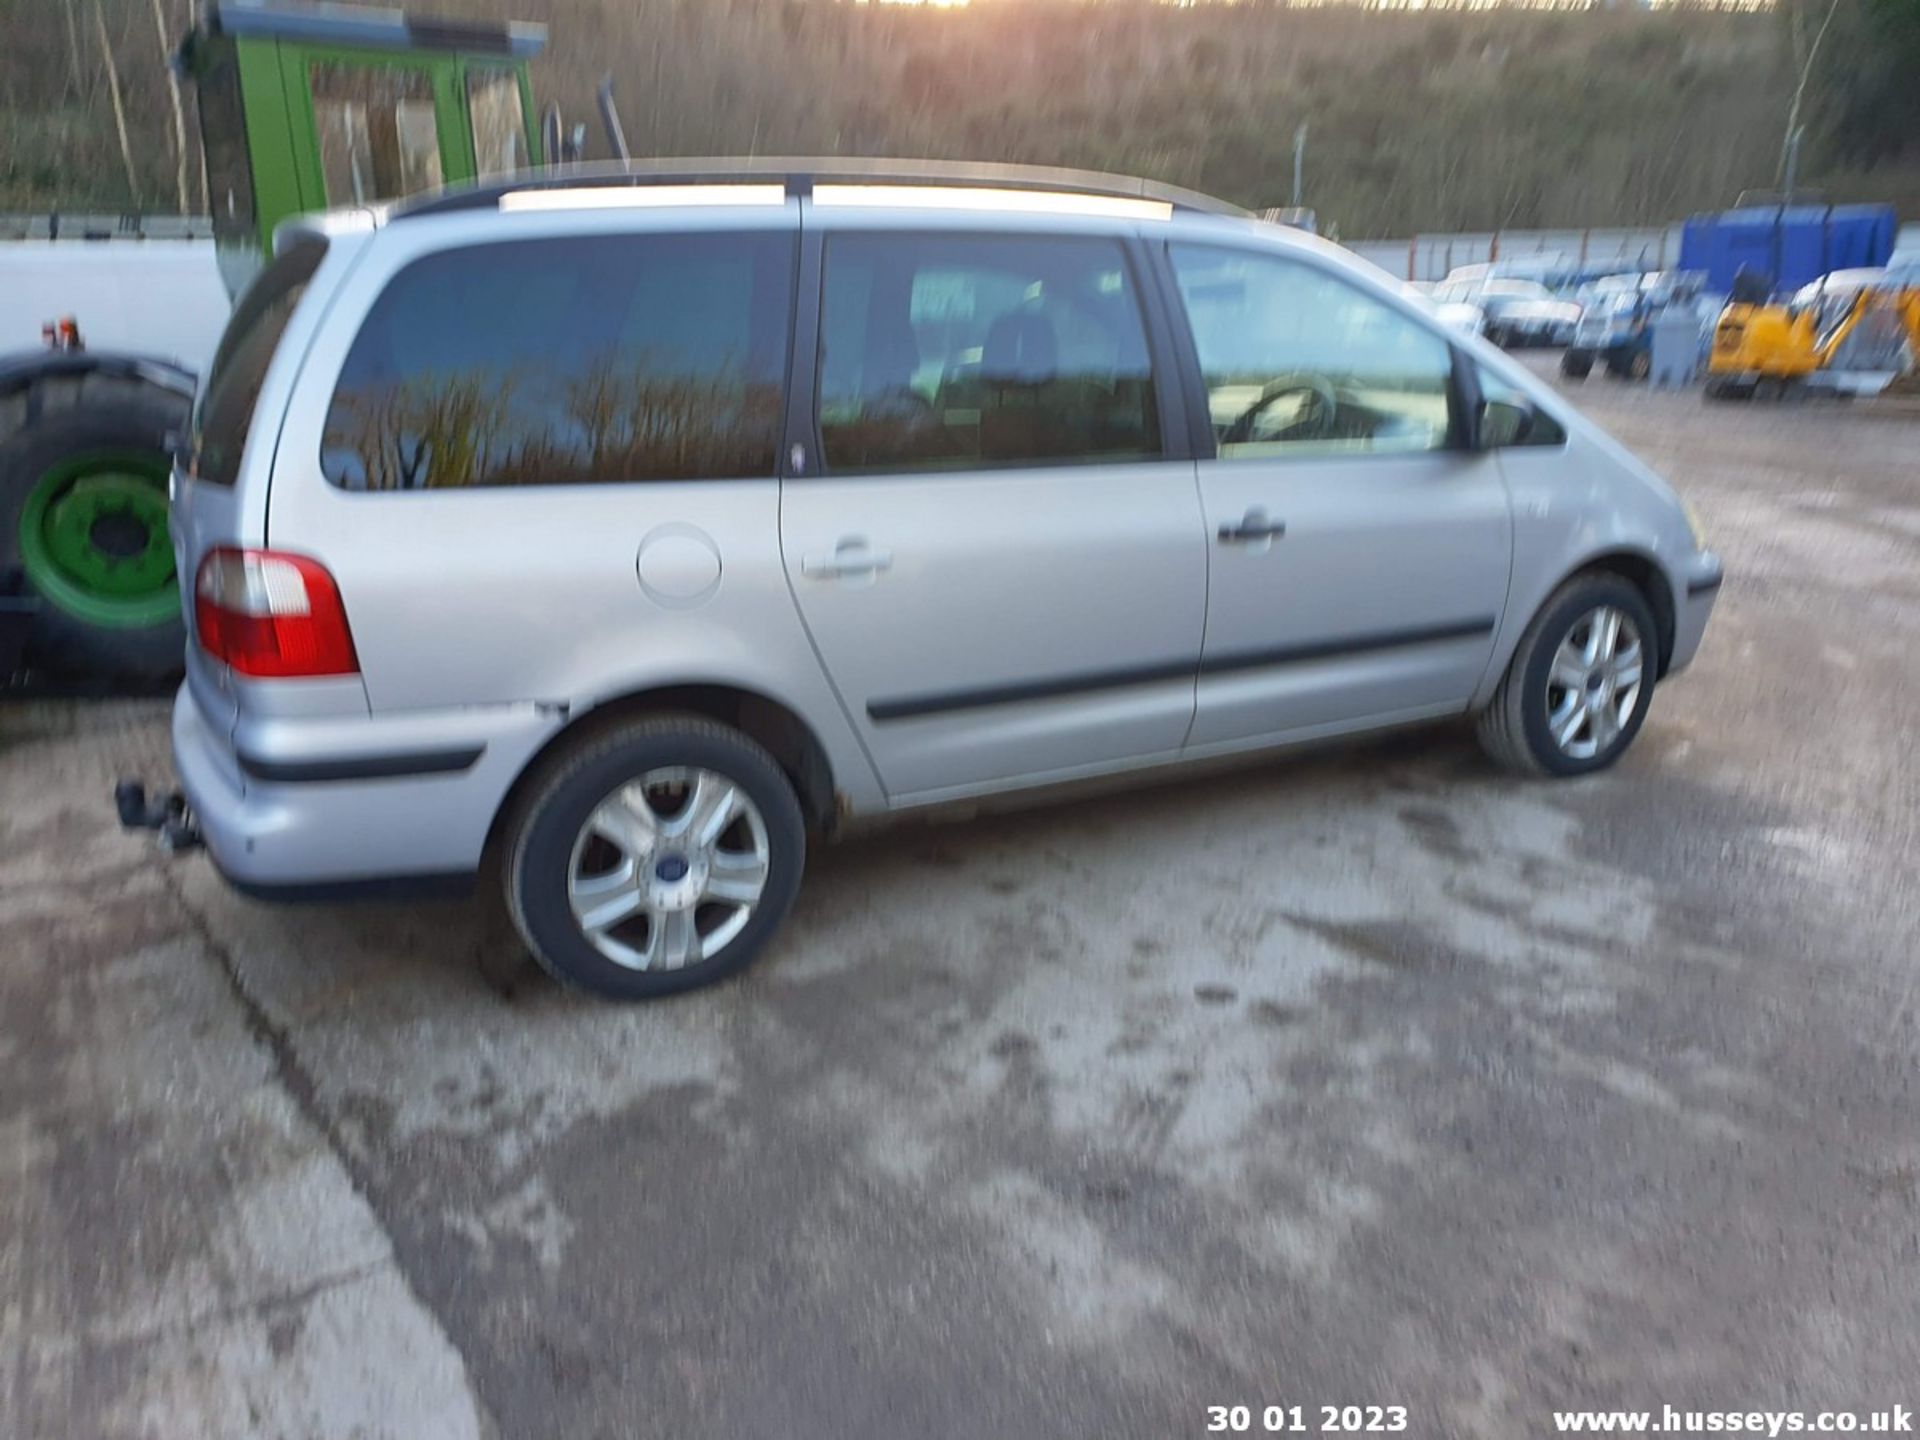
569, 361
232, 390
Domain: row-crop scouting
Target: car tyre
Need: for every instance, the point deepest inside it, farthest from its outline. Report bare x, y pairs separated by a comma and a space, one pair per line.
1576, 364
558, 850
1519, 726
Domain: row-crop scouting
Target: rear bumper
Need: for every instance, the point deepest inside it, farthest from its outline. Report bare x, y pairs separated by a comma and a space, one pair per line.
343, 805
1699, 587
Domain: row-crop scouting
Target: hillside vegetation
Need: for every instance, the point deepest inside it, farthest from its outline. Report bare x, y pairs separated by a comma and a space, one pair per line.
1422, 120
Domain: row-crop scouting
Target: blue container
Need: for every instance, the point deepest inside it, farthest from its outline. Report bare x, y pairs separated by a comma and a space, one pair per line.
1792, 244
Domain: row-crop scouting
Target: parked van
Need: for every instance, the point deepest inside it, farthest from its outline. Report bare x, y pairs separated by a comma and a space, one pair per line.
609, 534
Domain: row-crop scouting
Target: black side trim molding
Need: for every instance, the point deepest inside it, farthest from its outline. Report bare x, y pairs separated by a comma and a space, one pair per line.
1092, 681
362, 767
450, 885
1084, 683
1350, 645
1701, 587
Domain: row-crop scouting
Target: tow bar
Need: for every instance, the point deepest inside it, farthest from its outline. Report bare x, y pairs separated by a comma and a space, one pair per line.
166, 814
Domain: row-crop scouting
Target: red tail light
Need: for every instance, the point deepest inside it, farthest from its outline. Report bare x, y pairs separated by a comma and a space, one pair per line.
271, 614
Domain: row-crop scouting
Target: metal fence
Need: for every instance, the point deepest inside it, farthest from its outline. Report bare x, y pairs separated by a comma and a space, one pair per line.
82, 226
1432, 257
1646, 247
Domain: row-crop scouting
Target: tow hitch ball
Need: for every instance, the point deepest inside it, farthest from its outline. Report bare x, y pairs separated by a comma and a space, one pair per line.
166, 814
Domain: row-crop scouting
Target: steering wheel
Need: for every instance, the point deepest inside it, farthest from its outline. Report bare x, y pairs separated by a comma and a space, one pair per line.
1321, 406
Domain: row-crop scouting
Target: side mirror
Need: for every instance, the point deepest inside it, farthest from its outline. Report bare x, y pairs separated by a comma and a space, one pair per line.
1501, 423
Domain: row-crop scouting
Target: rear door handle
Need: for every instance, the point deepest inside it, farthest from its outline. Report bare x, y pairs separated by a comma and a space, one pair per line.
1254, 525
852, 559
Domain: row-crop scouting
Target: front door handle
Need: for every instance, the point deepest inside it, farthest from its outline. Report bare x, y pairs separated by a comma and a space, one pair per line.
852, 559
1254, 525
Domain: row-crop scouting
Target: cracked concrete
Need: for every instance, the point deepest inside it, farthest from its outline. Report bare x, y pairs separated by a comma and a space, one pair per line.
1367, 1076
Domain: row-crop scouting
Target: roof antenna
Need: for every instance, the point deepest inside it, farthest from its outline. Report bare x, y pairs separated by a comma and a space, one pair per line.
610, 116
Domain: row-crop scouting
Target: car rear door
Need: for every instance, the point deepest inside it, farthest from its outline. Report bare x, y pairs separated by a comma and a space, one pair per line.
998, 556
1360, 554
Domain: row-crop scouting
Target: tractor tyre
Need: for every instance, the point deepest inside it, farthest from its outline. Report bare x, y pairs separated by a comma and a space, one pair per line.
83, 517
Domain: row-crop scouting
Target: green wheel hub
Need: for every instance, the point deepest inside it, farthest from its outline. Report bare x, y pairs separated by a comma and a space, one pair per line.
93, 539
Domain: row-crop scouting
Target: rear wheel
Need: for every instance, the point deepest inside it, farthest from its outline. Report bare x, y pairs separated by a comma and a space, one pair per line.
1640, 365
1577, 364
83, 514
655, 858
1577, 690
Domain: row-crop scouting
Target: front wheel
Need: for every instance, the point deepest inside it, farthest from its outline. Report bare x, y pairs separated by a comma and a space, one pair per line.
658, 857
1577, 690
1577, 364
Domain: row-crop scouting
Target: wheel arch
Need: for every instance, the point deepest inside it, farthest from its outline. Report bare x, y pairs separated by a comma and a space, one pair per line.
769, 722
1645, 573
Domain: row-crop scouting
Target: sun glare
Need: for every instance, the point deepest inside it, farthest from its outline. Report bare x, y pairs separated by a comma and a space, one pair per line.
1404, 4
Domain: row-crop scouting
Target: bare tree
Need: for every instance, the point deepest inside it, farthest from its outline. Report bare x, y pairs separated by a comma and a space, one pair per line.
119, 108
1800, 87
74, 76
179, 109
199, 151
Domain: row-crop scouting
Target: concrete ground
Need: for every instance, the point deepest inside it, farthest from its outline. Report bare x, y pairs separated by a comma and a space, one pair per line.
1366, 1077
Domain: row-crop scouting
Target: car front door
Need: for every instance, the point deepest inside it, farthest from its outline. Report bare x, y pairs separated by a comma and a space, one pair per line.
1002, 571
1360, 554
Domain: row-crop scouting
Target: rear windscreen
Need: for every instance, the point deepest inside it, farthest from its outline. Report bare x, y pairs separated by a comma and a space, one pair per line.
225, 409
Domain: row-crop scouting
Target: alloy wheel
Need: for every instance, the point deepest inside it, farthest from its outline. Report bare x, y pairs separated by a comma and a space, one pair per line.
1595, 682
668, 869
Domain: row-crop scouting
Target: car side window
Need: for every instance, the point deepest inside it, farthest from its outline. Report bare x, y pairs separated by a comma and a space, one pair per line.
1298, 362
966, 352
572, 361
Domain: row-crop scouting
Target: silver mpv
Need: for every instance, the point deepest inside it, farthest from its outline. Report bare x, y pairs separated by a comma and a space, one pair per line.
608, 533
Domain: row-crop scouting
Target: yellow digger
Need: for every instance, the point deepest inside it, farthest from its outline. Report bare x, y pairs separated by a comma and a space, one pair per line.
1846, 333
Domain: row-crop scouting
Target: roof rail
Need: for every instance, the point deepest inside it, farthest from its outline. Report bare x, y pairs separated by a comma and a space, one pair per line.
800, 175
365, 25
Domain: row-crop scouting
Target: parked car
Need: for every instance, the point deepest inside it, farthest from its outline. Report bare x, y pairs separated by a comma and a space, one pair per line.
1468, 319
1605, 286
1902, 272
1616, 321
609, 535
1563, 276
1518, 312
